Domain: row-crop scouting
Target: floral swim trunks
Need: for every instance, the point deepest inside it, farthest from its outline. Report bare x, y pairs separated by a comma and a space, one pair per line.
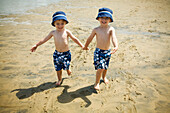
101, 58
61, 60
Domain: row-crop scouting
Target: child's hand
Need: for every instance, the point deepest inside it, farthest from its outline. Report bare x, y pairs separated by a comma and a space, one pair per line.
33, 48
114, 50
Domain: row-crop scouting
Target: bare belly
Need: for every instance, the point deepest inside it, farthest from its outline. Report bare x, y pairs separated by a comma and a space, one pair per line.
102, 46
62, 48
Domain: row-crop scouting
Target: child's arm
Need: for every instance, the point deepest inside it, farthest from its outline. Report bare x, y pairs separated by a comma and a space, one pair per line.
42, 41
90, 38
114, 41
76, 40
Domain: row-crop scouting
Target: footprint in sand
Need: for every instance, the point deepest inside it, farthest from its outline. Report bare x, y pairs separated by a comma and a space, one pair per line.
133, 48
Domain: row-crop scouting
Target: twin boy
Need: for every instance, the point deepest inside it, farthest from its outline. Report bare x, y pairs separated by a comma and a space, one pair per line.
102, 54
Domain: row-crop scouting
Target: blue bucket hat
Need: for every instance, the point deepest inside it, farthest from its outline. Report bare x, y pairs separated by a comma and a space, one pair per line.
105, 12
59, 15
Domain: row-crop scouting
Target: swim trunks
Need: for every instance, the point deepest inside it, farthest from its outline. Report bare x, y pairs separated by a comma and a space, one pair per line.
101, 58
61, 60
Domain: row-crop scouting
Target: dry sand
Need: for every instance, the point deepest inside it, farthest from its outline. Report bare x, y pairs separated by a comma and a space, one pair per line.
139, 71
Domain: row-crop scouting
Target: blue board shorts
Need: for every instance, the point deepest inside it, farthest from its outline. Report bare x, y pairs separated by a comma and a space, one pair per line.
61, 60
101, 58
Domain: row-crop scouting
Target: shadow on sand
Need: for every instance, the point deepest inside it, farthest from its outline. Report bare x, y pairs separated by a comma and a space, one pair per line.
67, 97
25, 93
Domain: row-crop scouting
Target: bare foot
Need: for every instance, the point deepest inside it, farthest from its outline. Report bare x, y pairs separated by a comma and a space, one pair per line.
96, 87
69, 72
58, 83
106, 81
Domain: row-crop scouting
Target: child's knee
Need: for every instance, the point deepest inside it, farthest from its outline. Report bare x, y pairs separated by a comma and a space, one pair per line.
100, 70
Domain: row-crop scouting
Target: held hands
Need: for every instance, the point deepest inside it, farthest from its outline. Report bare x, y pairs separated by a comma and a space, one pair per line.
114, 50
85, 48
33, 48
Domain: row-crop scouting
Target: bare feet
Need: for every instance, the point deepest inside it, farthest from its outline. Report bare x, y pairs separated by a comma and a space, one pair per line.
69, 72
96, 86
106, 81
58, 83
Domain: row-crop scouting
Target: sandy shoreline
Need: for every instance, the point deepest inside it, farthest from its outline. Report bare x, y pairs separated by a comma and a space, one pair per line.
139, 71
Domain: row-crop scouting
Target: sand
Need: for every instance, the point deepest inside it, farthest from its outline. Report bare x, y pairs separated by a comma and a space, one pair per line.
139, 72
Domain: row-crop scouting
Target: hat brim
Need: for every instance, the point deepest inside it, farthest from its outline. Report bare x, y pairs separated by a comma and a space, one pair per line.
59, 18
105, 15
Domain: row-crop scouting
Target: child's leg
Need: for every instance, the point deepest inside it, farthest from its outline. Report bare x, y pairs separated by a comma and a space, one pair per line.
69, 72
106, 81
98, 76
59, 75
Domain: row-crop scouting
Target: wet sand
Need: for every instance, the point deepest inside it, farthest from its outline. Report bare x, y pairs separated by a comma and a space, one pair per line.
138, 73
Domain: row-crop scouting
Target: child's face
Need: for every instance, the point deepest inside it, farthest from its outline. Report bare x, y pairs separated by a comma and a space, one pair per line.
59, 24
104, 20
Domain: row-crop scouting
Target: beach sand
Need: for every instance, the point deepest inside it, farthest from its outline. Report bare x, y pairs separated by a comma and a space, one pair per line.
139, 72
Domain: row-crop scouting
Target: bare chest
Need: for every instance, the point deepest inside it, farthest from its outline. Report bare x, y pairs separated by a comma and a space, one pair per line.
60, 37
103, 35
